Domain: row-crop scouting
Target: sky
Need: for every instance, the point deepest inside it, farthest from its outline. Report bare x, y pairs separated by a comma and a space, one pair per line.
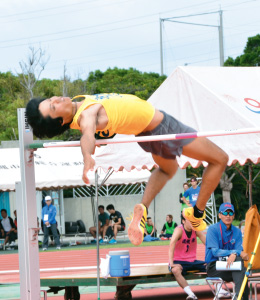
84, 36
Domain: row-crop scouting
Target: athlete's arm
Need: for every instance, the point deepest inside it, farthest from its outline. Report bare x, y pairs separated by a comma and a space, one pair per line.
201, 236
177, 234
88, 123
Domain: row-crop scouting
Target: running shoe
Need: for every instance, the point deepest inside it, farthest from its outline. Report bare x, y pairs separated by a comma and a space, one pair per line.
101, 241
58, 248
44, 249
113, 241
136, 227
198, 224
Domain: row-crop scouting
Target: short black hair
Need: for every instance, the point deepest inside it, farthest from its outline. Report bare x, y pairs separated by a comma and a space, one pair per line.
193, 178
101, 206
182, 218
3, 209
43, 127
149, 218
110, 206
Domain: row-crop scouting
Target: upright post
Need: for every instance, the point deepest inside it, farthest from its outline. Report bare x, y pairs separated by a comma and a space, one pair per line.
97, 234
221, 39
27, 215
161, 46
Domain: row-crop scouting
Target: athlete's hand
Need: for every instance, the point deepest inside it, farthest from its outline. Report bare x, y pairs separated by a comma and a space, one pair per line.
89, 164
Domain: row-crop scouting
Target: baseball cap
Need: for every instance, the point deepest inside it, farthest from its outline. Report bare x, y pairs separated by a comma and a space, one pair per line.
226, 206
48, 198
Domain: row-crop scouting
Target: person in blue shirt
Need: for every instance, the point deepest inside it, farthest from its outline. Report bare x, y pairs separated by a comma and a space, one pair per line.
49, 222
192, 192
224, 242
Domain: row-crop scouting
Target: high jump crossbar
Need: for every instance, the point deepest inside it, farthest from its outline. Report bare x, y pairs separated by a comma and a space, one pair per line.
153, 138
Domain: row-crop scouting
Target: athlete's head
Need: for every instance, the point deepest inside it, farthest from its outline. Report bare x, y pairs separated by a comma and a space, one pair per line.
49, 117
186, 223
169, 218
149, 221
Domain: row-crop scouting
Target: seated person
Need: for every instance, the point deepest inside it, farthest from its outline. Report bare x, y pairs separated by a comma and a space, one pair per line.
116, 222
150, 229
182, 254
184, 201
192, 192
168, 228
15, 219
225, 241
103, 220
8, 228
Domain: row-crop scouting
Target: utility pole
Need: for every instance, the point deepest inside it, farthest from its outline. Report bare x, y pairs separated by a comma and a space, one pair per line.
220, 29
161, 46
221, 39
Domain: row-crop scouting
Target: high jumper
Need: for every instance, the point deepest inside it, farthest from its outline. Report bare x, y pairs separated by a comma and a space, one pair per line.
108, 114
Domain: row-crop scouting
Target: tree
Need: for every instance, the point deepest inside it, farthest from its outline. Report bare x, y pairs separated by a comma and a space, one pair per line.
251, 56
32, 68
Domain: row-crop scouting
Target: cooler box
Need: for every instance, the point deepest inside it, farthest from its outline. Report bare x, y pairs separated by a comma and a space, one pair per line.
119, 263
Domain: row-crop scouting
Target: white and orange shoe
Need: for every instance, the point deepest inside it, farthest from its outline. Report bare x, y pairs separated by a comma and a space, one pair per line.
198, 224
137, 225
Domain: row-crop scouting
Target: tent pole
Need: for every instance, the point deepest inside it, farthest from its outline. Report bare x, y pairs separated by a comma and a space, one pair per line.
97, 235
250, 184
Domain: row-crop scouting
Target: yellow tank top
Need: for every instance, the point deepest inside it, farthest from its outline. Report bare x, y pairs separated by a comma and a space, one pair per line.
127, 114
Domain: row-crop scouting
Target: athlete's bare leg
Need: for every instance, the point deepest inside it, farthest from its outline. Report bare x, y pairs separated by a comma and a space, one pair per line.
159, 177
204, 150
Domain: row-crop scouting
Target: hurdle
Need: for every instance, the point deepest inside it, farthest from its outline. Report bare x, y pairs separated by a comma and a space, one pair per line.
26, 201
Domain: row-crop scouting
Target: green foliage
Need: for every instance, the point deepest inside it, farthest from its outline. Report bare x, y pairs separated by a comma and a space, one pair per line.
251, 56
13, 95
124, 82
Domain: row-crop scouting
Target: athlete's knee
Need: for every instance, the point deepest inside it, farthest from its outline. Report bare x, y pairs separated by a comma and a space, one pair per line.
176, 270
222, 159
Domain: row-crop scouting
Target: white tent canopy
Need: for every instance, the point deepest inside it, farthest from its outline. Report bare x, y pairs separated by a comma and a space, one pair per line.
62, 167
215, 98
205, 98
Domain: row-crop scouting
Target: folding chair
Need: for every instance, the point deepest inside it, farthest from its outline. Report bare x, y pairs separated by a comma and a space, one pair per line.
219, 282
44, 294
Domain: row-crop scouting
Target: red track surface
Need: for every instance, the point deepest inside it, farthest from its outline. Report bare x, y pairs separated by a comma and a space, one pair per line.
79, 258
83, 258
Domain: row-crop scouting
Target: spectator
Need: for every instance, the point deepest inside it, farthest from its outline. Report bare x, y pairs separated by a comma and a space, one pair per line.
150, 229
182, 254
168, 228
103, 222
184, 201
15, 219
8, 229
192, 192
15, 223
224, 242
49, 222
117, 222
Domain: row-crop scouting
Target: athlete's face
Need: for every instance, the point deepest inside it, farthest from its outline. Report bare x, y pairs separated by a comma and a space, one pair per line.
227, 220
194, 183
168, 219
185, 187
149, 222
187, 225
56, 107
